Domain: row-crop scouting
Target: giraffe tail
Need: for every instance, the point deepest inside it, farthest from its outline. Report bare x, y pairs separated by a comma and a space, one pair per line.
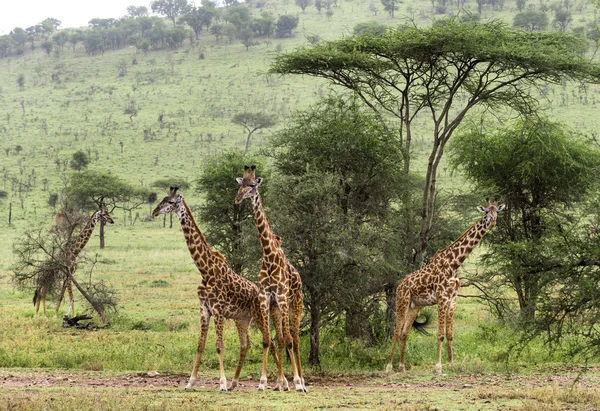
419, 326
36, 295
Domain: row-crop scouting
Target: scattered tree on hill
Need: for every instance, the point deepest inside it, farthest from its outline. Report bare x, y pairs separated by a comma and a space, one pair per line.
47, 46
169, 8
531, 20
52, 200
390, 6
198, 17
285, 25
562, 18
370, 27
92, 190
541, 171
303, 4
137, 11
21, 81
61, 38
253, 122
404, 72
79, 161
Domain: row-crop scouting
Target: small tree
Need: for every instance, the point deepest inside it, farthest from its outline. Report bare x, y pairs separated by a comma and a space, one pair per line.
94, 190
531, 20
562, 18
52, 200
285, 25
21, 81
47, 46
390, 6
79, 161
253, 122
303, 4
41, 261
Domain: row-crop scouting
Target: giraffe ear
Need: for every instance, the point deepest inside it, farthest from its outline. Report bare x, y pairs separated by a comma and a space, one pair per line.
258, 181
482, 209
501, 207
239, 180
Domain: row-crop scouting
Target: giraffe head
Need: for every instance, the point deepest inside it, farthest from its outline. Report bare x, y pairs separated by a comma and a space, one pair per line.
102, 215
169, 203
491, 211
248, 184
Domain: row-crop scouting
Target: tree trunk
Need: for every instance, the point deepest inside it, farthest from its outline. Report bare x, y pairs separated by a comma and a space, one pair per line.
101, 234
356, 323
93, 302
236, 246
315, 325
390, 309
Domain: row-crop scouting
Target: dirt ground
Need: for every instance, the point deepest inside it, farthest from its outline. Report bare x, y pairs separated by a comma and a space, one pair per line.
563, 378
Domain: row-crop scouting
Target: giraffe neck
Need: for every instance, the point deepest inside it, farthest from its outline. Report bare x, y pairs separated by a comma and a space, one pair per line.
262, 225
82, 239
457, 252
196, 242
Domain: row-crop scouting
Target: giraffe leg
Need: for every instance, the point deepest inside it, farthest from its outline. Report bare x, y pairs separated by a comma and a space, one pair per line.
442, 312
297, 306
282, 383
204, 319
411, 315
402, 302
219, 321
61, 295
242, 327
71, 298
37, 299
288, 340
261, 318
449, 324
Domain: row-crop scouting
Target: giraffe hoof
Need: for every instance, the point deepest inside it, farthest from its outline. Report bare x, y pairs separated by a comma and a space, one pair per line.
388, 369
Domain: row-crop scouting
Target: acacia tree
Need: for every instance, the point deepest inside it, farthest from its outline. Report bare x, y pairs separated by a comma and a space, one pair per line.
441, 73
253, 122
541, 171
94, 190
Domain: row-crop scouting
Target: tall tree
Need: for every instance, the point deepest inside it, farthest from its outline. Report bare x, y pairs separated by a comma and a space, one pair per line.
405, 72
339, 174
169, 8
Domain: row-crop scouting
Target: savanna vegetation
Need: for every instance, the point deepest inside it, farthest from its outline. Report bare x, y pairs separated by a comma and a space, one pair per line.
377, 128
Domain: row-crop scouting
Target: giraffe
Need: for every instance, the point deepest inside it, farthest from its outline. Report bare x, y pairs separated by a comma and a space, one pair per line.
67, 258
279, 281
437, 283
223, 294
